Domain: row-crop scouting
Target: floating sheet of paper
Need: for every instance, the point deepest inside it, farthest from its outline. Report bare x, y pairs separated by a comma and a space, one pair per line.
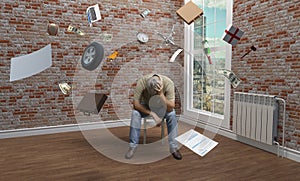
232, 35
197, 142
31, 64
175, 54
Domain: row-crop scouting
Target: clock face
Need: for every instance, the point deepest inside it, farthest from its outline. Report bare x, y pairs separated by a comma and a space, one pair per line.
142, 37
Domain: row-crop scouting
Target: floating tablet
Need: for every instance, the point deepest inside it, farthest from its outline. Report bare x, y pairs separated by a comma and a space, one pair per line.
31, 64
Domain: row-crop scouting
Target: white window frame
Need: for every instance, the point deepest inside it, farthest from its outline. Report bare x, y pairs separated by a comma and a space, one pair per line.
201, 116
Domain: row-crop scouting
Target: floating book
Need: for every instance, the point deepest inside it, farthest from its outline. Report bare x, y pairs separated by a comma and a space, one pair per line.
92, 103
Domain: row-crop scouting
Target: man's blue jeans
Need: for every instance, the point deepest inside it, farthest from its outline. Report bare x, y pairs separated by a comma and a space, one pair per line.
135, 126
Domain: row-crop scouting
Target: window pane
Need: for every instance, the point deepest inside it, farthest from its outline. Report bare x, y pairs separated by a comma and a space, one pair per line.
209, 57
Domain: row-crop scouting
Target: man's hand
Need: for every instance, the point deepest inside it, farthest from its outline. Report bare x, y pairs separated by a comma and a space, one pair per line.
160, 91
156, 118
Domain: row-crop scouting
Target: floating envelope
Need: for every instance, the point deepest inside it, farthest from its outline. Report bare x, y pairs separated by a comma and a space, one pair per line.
31, 64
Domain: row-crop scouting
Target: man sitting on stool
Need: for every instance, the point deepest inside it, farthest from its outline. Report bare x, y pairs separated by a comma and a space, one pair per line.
152, 90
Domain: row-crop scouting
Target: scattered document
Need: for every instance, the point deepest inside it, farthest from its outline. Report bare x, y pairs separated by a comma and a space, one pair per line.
31, 64
197, 142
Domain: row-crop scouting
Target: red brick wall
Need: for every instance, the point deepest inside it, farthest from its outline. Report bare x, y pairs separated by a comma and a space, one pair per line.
273, 28
37, 101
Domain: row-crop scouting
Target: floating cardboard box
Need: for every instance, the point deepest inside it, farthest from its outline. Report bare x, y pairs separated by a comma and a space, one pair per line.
189, 12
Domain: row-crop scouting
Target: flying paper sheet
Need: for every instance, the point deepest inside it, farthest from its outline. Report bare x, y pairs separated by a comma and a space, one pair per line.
31, 64
197, 142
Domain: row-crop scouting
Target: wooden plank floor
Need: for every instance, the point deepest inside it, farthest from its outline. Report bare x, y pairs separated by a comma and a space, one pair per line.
68, 156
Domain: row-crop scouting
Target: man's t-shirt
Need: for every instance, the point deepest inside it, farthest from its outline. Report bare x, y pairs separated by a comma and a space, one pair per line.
143, 95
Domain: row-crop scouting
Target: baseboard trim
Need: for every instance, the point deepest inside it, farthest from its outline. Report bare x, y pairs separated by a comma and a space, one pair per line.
286, 152
62, 128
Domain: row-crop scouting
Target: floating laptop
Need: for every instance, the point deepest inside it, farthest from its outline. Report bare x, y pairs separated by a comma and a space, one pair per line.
93, 14
92, 103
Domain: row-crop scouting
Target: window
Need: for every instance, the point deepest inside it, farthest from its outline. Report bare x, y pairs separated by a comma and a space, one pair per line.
207, 89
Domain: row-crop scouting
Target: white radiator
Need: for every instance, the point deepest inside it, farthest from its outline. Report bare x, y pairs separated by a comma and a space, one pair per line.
255, 116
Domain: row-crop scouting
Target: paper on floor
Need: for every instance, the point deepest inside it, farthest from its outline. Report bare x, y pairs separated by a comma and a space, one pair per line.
197, 142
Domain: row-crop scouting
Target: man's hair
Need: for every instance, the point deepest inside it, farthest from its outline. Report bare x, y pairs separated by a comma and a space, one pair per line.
154, 84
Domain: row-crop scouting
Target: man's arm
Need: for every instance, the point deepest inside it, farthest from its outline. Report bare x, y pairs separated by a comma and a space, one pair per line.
169, 103
139, 107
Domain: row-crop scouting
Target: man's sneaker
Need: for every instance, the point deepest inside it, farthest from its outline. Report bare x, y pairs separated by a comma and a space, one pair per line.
130, 152
176, 154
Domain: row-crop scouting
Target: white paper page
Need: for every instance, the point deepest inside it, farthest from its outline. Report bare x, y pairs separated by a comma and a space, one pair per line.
31, 64
197, 142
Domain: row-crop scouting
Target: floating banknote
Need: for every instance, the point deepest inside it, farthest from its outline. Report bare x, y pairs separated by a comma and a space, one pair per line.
106, 37
234, 80
75, 30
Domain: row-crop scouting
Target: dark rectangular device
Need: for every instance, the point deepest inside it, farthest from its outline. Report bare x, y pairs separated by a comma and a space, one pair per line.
92, 103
